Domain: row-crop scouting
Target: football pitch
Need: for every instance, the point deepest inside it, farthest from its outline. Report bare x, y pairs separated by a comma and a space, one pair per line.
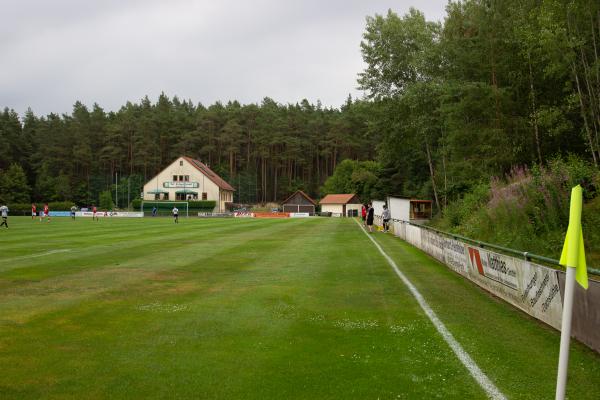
253, 309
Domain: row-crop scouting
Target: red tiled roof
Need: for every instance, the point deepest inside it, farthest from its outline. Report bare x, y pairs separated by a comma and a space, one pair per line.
217, 180
337, 198
307, 197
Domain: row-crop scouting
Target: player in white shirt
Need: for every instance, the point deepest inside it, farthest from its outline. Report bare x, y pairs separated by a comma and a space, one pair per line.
176, 214
4, 212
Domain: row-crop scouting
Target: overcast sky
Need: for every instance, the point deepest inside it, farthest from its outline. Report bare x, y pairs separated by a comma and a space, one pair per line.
53, 53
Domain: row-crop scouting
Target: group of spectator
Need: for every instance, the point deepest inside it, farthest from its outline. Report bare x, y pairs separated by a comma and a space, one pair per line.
368, 215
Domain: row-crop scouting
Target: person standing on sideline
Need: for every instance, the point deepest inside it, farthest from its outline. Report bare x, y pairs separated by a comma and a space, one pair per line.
370, 216
73, 209
94, 211
46, 213
363, 213
385, 216
4, 212
154, 211
176, 214
33, 211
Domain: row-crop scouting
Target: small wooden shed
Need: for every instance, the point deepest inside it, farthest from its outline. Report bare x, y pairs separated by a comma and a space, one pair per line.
409, 209
299, 202
341, 204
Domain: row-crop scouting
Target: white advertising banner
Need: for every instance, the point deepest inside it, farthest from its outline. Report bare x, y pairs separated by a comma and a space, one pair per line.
433, 244
299, 215
455, 256
110, 214
413, 235
540, 292
400, 230
532, 288
243, 214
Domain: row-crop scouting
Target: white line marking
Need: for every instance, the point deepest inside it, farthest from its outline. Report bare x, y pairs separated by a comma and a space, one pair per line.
47, 253
481, 378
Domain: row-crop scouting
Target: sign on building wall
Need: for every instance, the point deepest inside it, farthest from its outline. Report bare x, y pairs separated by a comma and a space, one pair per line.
173, 184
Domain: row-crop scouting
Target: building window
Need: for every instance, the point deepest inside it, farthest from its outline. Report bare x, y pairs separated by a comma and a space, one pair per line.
179, 196
204, 196
156, 196
186, 178
180, 178
174, 178
166, 197
181, 163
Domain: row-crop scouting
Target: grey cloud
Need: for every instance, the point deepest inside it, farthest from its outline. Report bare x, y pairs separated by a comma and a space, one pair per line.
109, 52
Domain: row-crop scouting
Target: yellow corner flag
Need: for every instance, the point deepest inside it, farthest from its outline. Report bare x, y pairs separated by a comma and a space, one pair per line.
573, 253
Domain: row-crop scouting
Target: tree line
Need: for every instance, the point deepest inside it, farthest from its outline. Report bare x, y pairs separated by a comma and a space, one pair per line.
498, 83
264, 150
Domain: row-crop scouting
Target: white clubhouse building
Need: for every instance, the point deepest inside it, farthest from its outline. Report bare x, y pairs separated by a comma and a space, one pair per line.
186, 179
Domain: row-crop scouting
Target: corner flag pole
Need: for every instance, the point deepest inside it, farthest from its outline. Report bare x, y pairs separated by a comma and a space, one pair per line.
573, 258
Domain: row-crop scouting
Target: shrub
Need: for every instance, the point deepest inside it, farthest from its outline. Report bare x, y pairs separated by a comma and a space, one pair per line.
202, 205
529, 209
458, 212
106, 201
59, 205
136, 204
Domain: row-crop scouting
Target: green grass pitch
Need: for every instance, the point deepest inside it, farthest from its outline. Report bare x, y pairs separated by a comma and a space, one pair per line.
252, 309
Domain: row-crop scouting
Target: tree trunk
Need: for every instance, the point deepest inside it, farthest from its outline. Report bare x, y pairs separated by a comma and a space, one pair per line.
275, 183
437, 203
534, 110
583, 114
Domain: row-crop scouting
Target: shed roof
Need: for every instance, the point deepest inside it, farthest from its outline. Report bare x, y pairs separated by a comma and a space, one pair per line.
307, 197
217, 180
338, 199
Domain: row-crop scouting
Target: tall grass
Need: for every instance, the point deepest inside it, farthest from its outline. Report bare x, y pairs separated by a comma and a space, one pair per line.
528, 209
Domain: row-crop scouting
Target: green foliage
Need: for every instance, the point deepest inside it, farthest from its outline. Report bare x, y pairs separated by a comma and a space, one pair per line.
106, 201
359, 177
19, 208
501, 84
59, 205
25, 208
529, 209
265, 151
13, 185
136, 204
462, 210
498, 84
200, 205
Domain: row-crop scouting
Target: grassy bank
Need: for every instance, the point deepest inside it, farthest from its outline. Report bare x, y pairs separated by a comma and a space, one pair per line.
528, 209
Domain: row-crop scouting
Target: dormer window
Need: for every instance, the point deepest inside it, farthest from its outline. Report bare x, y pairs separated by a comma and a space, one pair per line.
181, 163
